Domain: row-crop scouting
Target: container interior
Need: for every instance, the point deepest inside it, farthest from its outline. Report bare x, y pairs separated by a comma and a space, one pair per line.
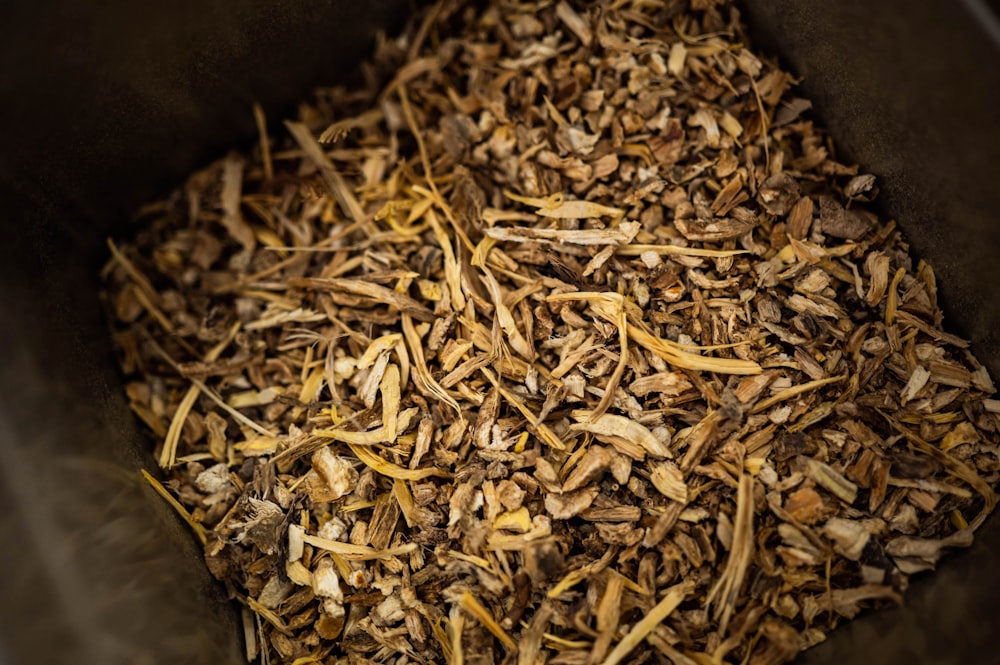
107, 106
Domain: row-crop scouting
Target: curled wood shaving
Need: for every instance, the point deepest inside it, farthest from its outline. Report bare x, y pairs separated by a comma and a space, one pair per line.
622, 431
356, 552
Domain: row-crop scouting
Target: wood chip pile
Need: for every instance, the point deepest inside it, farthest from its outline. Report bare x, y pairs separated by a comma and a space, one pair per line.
563, 337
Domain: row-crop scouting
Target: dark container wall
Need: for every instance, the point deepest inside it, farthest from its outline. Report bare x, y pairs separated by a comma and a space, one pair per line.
104, 105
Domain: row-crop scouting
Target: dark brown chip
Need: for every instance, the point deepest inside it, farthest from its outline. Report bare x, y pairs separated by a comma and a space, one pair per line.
838, 222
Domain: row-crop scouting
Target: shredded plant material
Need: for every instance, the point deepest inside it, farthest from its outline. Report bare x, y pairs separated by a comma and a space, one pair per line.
564, 338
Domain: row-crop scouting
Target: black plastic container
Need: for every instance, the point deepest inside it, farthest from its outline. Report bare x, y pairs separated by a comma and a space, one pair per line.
104, 105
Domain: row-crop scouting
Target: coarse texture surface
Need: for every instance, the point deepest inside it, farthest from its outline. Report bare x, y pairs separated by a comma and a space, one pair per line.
566, 339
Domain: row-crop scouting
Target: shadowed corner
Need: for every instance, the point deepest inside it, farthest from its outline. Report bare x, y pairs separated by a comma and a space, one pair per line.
913, 101
106, 107
948, 616
102, 564
96, 568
